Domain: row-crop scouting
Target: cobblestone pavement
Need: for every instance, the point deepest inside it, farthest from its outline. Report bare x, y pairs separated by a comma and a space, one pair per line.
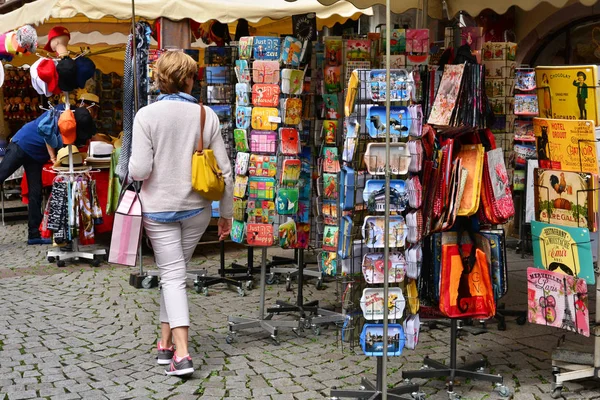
84, 333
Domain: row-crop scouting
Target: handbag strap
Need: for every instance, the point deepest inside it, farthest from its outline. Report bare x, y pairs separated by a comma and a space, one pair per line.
465, 225
200, 146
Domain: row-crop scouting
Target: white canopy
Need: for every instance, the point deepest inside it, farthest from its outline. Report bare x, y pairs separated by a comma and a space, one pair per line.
225, 11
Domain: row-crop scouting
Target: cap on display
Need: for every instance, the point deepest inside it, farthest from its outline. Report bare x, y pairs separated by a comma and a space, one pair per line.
56, 32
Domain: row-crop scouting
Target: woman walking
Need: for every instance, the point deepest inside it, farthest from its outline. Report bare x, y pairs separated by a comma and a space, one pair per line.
165, 135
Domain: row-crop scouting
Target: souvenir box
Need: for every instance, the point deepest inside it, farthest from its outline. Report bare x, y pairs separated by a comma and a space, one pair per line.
526, 105
373, 268
261, 212
374, 195
400, 121
401, 85
563, 249
374, 305
565, 198
263, 142
265, 72
375, 156
265, 95
262, 165
566, 145
287, 201
371, 340
373, 231
557, 300
568, 92
259, 235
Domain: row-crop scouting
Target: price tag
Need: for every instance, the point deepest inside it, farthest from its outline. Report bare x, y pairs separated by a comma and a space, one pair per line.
274, 119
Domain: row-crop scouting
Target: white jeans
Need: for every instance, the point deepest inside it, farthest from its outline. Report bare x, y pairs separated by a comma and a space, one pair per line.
174, 244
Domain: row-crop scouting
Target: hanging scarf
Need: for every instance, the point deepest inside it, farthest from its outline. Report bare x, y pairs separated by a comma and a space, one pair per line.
85, 218
96, 209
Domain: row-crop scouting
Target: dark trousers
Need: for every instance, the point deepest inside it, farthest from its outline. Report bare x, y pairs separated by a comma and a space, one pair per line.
14, 158
582, 110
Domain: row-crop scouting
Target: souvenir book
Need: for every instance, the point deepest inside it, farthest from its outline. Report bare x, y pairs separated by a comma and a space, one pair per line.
563, 249
289, 141
262, 165
291, 50
374, 305
241, 140
302, 235
371, 340
292, 81
447, 95
266, 48
330, 186
558, 300
259, 235
265, 95
568, 92
331, 161
242, 94
287, 235
238, 231
286, 202
261, 188
373, 268
331, 104
265, 118
242, 71
566, 198
265, 72
329, 131
263, 142
241, 163
566, 145
293, 111
290, 171
245, 46
330, 238
261, 212
329, 263
239, 209
242, 117
240, 185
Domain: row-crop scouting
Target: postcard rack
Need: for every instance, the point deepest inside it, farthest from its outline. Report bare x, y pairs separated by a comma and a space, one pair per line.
95, 257
574, 364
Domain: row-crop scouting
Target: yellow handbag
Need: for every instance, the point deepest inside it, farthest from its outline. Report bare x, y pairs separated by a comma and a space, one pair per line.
207, 178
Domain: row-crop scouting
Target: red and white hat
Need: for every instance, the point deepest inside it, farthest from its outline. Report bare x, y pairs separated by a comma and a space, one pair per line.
56, 32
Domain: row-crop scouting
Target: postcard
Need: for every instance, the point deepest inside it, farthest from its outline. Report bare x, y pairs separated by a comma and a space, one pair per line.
266, 48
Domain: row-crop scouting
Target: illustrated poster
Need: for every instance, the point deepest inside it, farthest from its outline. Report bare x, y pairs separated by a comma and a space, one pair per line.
563, 249
558, 300
566, 145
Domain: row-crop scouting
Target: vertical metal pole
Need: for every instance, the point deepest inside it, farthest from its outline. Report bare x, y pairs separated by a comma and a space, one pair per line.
135, 101
263, 283
424, 16
386, 227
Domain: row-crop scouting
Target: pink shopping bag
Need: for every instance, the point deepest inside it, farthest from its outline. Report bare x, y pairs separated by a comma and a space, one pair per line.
127, 230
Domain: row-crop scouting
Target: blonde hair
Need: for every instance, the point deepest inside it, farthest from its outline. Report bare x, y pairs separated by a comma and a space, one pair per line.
172, 70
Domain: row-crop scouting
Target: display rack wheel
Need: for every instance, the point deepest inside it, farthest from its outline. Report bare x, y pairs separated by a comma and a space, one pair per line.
503, 390
147, 282
249, 285
306, 324
557, 393
299, 331
241, 292
198, 286
454, 396
271, 278
96, 263
521, 319
205, 291
51, 259
275, 340
288, 283
319, 284
362, 387
502, 325
229, 339
418, 395
60, 263
316, 330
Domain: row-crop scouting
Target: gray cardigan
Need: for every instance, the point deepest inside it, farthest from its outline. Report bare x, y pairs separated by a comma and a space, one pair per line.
165, 135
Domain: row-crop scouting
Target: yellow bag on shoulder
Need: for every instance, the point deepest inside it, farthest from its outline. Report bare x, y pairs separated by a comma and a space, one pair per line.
207, 178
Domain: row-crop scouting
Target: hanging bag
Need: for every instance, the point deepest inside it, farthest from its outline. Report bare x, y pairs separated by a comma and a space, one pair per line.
127, 229
207, 178
466, 288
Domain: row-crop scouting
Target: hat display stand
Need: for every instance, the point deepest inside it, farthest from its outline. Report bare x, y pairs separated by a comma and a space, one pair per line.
95, 257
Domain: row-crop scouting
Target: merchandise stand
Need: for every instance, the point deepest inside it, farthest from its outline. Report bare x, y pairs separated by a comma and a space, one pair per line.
281, 265
262, 322
60, 256
202, 282
435, 369
569, 365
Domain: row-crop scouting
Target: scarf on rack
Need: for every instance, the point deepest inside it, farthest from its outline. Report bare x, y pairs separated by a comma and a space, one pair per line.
57, 212
142, 40
96, 209
85, 218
